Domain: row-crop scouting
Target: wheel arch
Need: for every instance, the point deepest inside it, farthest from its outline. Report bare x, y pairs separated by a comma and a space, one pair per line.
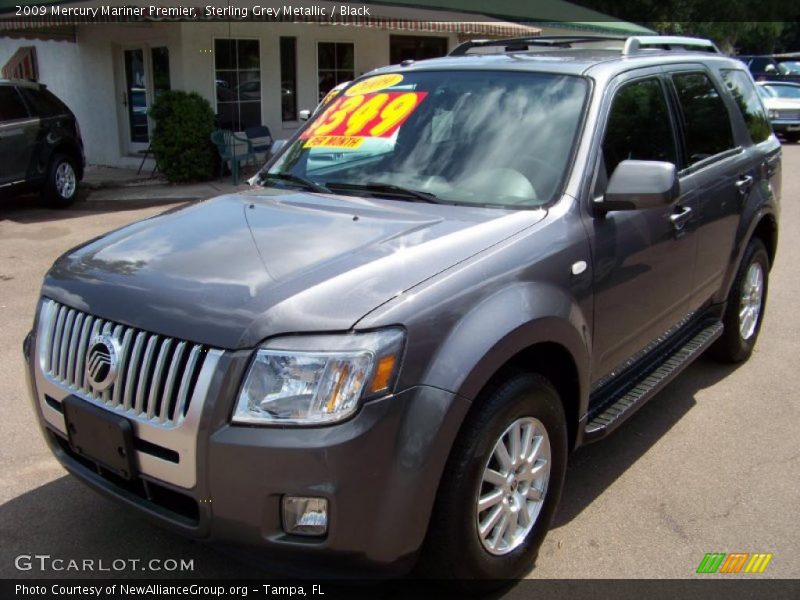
554, 362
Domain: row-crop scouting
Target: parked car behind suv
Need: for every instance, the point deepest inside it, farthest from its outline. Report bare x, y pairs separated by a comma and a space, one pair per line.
40, 143
774, 67
457, 272
782, 101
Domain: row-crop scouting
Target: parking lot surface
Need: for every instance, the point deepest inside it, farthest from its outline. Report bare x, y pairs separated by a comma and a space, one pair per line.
710, 465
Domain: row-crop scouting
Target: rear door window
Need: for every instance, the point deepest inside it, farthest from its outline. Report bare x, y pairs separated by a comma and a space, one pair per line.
11, 105
639, 125
707, 126
43, 103
744, 93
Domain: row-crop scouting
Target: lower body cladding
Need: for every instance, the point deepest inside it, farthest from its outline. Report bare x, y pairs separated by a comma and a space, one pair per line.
378, 471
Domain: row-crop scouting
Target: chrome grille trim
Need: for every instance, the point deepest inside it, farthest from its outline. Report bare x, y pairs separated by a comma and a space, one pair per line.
159, 388
188, 394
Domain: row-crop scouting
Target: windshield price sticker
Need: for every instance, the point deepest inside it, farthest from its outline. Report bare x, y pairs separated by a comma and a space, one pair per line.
374, 84
366, 115
333, 141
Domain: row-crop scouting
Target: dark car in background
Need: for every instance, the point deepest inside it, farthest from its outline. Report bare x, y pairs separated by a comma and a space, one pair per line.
40, 143
775, 67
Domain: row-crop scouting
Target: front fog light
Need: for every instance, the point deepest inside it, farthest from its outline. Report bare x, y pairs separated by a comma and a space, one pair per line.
305, 516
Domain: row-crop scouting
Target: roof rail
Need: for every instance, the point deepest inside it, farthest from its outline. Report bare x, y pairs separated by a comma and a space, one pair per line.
520, 44
670, 42
632, 45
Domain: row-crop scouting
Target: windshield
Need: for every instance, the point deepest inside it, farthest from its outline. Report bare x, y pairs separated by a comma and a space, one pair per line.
789, 67
783, 91
463, 137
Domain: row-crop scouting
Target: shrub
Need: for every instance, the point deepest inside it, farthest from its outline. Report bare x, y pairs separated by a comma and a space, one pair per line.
181, 137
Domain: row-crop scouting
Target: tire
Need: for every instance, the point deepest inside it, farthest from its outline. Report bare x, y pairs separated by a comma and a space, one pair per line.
454, 548
741, 331
61, 186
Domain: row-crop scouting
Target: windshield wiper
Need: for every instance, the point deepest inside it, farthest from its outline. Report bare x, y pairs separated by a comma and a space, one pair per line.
384, 189
304, 183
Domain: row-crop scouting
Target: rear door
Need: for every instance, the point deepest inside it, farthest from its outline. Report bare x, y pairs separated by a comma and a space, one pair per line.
716, 170
643, 260
18, 130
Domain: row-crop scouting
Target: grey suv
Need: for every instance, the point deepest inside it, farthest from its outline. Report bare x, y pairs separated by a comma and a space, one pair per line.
40, 143
452, 276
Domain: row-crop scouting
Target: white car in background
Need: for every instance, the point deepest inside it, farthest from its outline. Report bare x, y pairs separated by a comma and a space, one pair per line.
782, 101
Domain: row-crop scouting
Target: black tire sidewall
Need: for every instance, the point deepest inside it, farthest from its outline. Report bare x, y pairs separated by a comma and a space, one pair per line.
50, 191
524, 395
735, 348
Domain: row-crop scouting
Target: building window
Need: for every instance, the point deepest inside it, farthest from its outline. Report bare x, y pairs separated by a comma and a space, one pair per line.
237, 76
160, 60
410, 47
335, 65
288, 79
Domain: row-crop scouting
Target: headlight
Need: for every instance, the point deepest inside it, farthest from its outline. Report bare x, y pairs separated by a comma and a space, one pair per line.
310, 380
773, 114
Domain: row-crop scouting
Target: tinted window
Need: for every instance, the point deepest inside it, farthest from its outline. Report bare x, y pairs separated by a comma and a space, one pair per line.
11, 106
639, 126
744, 92
706, 121
43, 103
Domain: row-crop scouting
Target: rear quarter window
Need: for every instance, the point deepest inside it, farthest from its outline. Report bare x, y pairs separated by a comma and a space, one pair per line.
744, 93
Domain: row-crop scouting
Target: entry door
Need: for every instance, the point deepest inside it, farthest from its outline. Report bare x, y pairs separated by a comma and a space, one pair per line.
145, 73
135, 99
643, 260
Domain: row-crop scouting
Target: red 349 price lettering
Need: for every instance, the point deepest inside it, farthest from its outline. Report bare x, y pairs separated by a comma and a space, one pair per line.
366, 115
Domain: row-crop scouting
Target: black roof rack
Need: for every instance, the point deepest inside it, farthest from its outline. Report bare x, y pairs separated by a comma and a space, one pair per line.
629, 44
520, 44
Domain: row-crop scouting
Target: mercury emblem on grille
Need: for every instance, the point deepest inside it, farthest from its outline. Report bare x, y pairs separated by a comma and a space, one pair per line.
101, 362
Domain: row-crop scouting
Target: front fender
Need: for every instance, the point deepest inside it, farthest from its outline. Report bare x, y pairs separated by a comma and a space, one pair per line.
503, 325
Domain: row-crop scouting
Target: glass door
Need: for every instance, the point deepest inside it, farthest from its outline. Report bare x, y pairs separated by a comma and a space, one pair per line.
135, 100
146, 72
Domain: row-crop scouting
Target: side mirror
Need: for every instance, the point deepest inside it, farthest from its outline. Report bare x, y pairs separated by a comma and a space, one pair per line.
304, 114
640, 184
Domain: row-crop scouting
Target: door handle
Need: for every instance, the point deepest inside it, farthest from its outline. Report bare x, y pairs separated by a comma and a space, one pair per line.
680, 218
744, 184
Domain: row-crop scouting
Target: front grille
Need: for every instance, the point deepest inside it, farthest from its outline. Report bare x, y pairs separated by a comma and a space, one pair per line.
788, 114
156, 375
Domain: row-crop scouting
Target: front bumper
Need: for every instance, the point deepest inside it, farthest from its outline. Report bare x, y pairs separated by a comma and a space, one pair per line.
379, 471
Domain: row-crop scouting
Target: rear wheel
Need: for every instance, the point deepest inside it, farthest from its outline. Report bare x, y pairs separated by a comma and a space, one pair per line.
745, 309
61, 187
501, 485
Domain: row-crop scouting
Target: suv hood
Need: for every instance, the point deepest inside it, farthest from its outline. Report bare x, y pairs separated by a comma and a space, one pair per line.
235, 270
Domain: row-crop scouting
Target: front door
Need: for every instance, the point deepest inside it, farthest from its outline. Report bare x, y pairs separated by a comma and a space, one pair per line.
643, 260
145, 73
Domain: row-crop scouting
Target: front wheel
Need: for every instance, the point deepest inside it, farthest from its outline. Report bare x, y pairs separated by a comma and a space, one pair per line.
501, 485
61, 187
745, 309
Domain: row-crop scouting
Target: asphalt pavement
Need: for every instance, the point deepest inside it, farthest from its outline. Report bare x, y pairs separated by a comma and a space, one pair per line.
710, 465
